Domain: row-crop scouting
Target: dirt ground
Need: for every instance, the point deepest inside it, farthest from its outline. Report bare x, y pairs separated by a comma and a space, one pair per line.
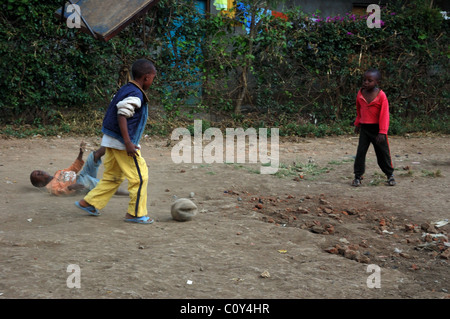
305, 234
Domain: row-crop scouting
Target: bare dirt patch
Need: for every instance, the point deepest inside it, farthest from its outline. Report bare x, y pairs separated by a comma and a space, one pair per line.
302, 233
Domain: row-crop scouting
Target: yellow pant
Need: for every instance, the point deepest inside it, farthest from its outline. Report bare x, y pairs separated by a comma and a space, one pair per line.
118, 166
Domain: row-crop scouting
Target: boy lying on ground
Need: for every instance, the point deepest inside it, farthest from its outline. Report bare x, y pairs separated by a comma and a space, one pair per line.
66, 181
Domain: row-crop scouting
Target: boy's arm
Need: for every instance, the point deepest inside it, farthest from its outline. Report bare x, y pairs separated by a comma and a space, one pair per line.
383, 121
384, 116
358, 115
125, 110
64, 190
78, 163
80, 154
130, 147
75, 187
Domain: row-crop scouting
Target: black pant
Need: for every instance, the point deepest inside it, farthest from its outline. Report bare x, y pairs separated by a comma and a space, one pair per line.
368, 135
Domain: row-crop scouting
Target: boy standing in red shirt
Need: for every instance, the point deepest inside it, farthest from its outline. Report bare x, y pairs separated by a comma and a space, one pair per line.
372, 124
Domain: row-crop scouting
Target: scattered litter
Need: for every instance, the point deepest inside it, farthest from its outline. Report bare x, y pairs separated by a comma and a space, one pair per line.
282, 251
426, 246
30, 220
387, 232
441, 223
416, 163
398, 251
189, 282
434, 235
265, 274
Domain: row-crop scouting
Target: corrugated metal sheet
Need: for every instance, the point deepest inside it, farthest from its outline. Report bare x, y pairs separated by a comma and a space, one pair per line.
106, 18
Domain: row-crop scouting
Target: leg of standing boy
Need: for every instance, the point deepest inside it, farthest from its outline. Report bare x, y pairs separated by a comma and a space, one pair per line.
98, 197
135, 170
359, 166
368, 135
118, 166
88, 175
384, 160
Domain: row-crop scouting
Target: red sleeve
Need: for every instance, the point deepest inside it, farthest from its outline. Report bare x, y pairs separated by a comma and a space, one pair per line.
76, 166
384, 114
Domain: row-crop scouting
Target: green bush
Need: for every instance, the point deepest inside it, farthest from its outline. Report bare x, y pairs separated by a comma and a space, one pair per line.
46, 68
301, 75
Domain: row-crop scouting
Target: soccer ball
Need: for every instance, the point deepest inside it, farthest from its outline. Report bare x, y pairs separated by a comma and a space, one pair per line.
183, 209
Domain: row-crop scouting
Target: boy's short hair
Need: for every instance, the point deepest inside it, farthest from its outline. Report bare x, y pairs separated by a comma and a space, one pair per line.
33, 181
375, 72
142, 67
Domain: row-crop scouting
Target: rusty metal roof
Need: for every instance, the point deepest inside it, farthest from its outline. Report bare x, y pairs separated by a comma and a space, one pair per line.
104, 19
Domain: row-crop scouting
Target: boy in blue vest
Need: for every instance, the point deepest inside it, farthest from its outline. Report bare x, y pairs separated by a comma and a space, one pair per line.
123, 126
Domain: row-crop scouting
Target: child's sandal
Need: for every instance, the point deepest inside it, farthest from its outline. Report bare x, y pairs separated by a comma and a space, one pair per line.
391, 181
356, 182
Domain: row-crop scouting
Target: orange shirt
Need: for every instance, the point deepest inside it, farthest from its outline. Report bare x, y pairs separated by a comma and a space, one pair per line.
64, 178
375, 112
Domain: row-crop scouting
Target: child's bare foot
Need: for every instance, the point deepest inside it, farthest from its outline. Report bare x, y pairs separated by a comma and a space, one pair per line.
83, 203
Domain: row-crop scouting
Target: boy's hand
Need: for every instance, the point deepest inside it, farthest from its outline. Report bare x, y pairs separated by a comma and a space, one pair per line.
80, 154
131, 149
129, 146
357, 129
380, 138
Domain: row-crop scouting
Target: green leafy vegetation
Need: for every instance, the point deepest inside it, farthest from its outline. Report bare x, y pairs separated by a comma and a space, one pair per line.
300, 75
